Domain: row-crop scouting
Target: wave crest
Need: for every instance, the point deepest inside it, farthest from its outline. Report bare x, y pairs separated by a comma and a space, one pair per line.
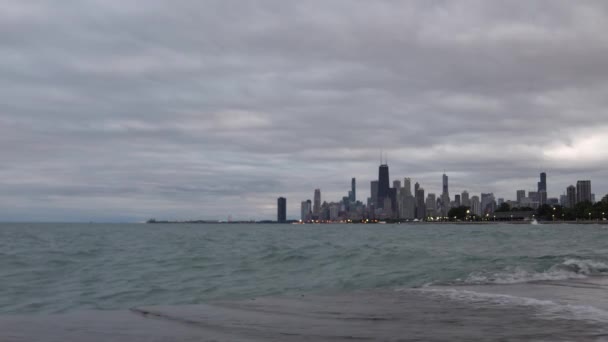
568, 269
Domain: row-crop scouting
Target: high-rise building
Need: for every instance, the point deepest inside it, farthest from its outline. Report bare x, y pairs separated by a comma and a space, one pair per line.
520, 195
488, 203
374, 193
392, 195
334, 211
542, 185
316, 209
407, 185
407, 202
420, 204
542, 197
281, 210
466, 201
353, 190
305, 212
445, 197
387, 208
583, 191
457, 202
445, 204
408, 210
563, 200
534, 196
475, 206
571, 195
397, 185
431, 204
383, 184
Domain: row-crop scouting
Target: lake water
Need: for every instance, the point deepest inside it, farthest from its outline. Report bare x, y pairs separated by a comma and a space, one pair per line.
547, 281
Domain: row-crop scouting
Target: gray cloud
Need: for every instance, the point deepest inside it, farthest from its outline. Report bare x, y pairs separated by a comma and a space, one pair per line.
125, 110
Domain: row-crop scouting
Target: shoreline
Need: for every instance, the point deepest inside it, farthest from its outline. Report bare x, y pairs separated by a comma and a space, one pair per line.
596, 222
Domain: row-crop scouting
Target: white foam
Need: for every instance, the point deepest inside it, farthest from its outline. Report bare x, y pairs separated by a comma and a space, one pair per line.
569, 269
546, 309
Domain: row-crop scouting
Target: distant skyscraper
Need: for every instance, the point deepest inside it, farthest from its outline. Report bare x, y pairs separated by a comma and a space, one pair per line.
420, 204
316, 209
353, 190
407, 202
571, 195
542, 185
445, 197
445, 204
306, 210
408, 208
475, 206
583, 191
563, 200
457, 202
407, 185
374, 193
465, 199
281, 210
383, 184
397, 185
542, 197
392, 195
520, 195
431, 205
334, 211
534, 196
488, 203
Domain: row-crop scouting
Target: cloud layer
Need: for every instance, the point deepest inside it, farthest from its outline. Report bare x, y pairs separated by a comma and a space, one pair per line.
125, 110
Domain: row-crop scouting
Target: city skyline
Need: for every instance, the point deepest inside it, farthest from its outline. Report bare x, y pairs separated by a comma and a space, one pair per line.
439, 203
117, 112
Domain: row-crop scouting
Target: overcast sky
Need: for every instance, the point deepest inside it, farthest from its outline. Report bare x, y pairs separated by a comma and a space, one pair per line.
123, 110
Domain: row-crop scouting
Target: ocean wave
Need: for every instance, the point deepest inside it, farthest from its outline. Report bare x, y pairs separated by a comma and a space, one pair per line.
568, 269
546, 308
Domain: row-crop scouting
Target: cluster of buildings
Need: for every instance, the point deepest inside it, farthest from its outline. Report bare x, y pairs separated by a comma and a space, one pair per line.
401, 202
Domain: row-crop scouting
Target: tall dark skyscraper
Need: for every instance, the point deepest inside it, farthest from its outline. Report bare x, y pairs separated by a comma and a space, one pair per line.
445, 185
281, 210
420, 204
383, 184
353, 189
374, 193
542, 185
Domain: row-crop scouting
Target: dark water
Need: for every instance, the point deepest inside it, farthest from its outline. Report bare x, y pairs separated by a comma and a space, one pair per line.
387, 282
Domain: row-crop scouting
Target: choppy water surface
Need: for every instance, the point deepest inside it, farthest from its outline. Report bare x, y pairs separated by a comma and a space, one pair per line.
548, 272
62, 267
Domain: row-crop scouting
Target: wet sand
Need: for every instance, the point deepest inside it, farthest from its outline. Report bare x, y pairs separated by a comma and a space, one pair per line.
544, 311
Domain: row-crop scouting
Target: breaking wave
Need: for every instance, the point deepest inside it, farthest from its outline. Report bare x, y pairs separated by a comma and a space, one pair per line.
569, 269
546, 308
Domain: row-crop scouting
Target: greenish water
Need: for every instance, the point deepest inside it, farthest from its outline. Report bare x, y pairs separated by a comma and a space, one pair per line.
51, 268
